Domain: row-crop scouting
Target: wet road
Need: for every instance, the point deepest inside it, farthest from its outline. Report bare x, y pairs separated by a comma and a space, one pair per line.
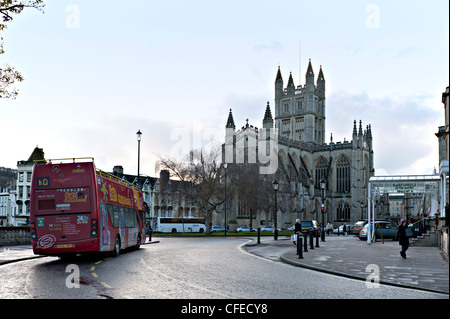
183, 268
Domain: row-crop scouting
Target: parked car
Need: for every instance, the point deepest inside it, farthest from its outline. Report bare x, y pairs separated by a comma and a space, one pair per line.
243, 229
388, 230
358, 226
216, 229
269, 228
340, 229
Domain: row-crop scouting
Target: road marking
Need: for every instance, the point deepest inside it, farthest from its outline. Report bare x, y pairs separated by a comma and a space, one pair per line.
92, 268
105, 285
94, 275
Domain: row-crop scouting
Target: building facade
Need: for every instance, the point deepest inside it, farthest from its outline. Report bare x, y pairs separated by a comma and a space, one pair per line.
304, 159
164, 196
23, 186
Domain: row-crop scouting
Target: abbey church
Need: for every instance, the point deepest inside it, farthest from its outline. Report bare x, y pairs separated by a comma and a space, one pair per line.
304, 160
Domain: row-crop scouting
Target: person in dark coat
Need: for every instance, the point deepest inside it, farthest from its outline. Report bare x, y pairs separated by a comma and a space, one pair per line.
298, 226
403, 240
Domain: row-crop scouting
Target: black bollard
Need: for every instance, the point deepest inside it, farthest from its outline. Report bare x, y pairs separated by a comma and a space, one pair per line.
259, 235
299, 246
305, 249
317, 238
311, 240
150, 235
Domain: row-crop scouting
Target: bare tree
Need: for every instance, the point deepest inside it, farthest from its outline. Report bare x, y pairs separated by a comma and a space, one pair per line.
204, 172
8, 75
253, 190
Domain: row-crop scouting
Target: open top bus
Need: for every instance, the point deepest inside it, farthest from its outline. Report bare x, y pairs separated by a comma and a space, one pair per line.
76, 208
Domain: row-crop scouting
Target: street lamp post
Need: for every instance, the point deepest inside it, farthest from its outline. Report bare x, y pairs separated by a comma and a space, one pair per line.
275, 231
323, 184
139, 137
225, 166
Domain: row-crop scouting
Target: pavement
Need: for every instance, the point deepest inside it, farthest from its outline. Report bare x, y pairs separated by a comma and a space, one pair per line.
14, 253
426, 268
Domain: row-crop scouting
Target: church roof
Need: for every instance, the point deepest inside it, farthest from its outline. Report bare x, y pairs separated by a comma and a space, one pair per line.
37, 155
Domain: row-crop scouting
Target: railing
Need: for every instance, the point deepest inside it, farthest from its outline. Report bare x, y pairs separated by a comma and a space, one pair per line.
15, 235
117, 179
422, 226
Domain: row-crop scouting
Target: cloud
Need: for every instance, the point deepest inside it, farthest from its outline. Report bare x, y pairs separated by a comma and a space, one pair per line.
403, 129
272, 46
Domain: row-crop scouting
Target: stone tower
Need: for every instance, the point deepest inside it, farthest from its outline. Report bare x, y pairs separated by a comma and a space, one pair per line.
300, 111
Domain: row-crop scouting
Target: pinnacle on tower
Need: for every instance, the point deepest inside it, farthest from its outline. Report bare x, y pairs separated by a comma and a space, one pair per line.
279, 84
291, 80
279, 77
267, 114
310, 78
320, 77
290, 86
309, 71
230, 121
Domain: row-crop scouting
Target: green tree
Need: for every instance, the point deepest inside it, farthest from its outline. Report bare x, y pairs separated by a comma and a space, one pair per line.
8, 75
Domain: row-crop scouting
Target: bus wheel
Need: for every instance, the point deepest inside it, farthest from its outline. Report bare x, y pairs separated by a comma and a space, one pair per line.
116, 250
174, 231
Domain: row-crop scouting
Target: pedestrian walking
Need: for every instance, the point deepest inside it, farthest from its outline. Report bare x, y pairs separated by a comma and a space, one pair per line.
329, 229
403, 240
297, 230
298, 226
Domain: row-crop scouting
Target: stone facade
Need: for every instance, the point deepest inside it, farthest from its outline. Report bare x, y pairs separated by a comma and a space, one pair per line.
304, 159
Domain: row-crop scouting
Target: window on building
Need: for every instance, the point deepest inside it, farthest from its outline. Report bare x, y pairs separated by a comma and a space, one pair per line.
343, 211
299, 127
321, 172
343, 175
286, 128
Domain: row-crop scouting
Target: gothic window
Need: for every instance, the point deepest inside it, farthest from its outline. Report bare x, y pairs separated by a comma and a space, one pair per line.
321, 172
343, 211
299, 127
286, 128
299, 104
343, 175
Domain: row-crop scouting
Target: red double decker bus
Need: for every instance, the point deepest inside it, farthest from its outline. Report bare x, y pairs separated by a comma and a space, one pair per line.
76, 208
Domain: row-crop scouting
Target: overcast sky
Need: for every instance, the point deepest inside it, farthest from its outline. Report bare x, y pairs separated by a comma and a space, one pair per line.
98, 71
